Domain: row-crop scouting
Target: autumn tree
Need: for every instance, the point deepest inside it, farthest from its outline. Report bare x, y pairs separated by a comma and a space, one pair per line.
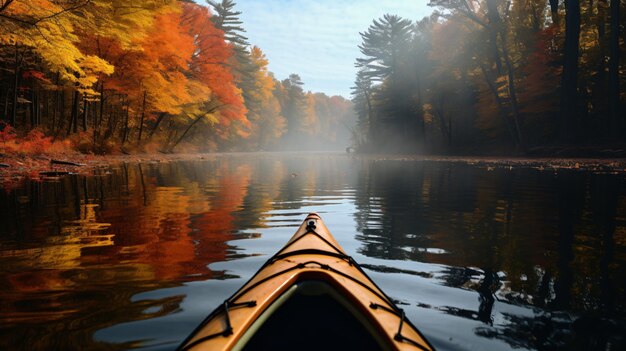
264, 110
223, 108
490, 20
333, 118
44, 31
242, 64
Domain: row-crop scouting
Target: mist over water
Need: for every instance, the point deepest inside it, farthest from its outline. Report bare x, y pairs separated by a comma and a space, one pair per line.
480, 259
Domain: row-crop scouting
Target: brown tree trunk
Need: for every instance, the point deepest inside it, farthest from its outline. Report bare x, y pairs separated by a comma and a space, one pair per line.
125, 133
371, 118
15, 85
84, 112
33, 106
554, 11
494, 21
156, 124
6, 105
200, 117
100, 115
503, 112
569, 82
72, 127
143, 115
61, 119
616, 120
56, 103
517, 118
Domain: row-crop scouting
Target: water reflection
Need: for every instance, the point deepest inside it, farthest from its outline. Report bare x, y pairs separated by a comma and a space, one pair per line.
134, 256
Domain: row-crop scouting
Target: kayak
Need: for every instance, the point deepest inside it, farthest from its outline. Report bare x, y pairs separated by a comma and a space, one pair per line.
310, 295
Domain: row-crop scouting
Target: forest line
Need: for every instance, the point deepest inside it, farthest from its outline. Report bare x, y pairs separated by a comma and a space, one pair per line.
477, 76
494, 76
104, 76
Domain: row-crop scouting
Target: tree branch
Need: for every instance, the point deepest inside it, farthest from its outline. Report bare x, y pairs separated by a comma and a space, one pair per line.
34, 22
5, 4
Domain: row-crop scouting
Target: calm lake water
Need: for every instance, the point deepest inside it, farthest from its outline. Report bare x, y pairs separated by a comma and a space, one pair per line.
137, 255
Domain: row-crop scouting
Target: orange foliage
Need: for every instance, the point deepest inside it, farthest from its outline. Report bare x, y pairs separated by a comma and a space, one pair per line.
156, 65
267, 122
33, 143
7, 133
216, 227
209, 63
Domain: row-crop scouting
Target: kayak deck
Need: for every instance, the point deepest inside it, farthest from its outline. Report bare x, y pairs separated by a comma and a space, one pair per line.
309, 296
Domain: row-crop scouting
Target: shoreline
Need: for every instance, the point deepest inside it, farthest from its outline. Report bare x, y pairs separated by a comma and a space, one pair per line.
15, 168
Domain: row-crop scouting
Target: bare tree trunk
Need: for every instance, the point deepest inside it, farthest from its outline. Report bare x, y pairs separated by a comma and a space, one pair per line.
162, 115
61, 119
110, 125
46, 110
72, 127
15, 85
371, 117
200, 117
99, 116
569, 95
6, 105
56, 103
554, 11
170, 149
494, 24
439, 112
84, 112
125, 133
517, 118
616, 119
33, 106
503, 112
143, 115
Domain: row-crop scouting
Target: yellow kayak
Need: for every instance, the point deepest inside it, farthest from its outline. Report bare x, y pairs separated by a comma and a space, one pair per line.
309, 296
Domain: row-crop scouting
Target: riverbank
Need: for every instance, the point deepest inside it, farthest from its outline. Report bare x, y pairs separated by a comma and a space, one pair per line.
14, 168
594, 164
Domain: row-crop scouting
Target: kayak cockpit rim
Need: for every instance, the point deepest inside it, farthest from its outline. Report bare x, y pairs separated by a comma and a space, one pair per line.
314, 288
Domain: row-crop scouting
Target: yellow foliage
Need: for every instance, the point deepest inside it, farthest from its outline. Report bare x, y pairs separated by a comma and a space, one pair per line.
123, 20
50, 32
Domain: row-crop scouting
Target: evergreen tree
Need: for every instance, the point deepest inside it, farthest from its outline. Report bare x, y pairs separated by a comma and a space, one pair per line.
384, 44
294, 104
362, 94
226, 19
387, 62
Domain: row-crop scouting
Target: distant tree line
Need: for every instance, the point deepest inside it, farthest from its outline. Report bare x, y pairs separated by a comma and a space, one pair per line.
493, 75
151, 75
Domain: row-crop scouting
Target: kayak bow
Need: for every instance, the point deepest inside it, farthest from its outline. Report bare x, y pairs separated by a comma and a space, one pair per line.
309, 296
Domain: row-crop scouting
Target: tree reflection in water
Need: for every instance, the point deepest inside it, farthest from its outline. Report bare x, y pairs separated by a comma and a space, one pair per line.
541, 239
517, 257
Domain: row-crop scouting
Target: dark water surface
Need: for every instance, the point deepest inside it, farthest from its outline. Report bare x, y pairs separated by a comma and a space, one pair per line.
480, 259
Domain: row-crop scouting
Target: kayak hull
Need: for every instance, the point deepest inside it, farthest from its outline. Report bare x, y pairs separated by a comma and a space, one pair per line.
310, 295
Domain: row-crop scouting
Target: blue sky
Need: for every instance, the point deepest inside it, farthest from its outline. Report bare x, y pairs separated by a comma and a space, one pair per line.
317, 39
